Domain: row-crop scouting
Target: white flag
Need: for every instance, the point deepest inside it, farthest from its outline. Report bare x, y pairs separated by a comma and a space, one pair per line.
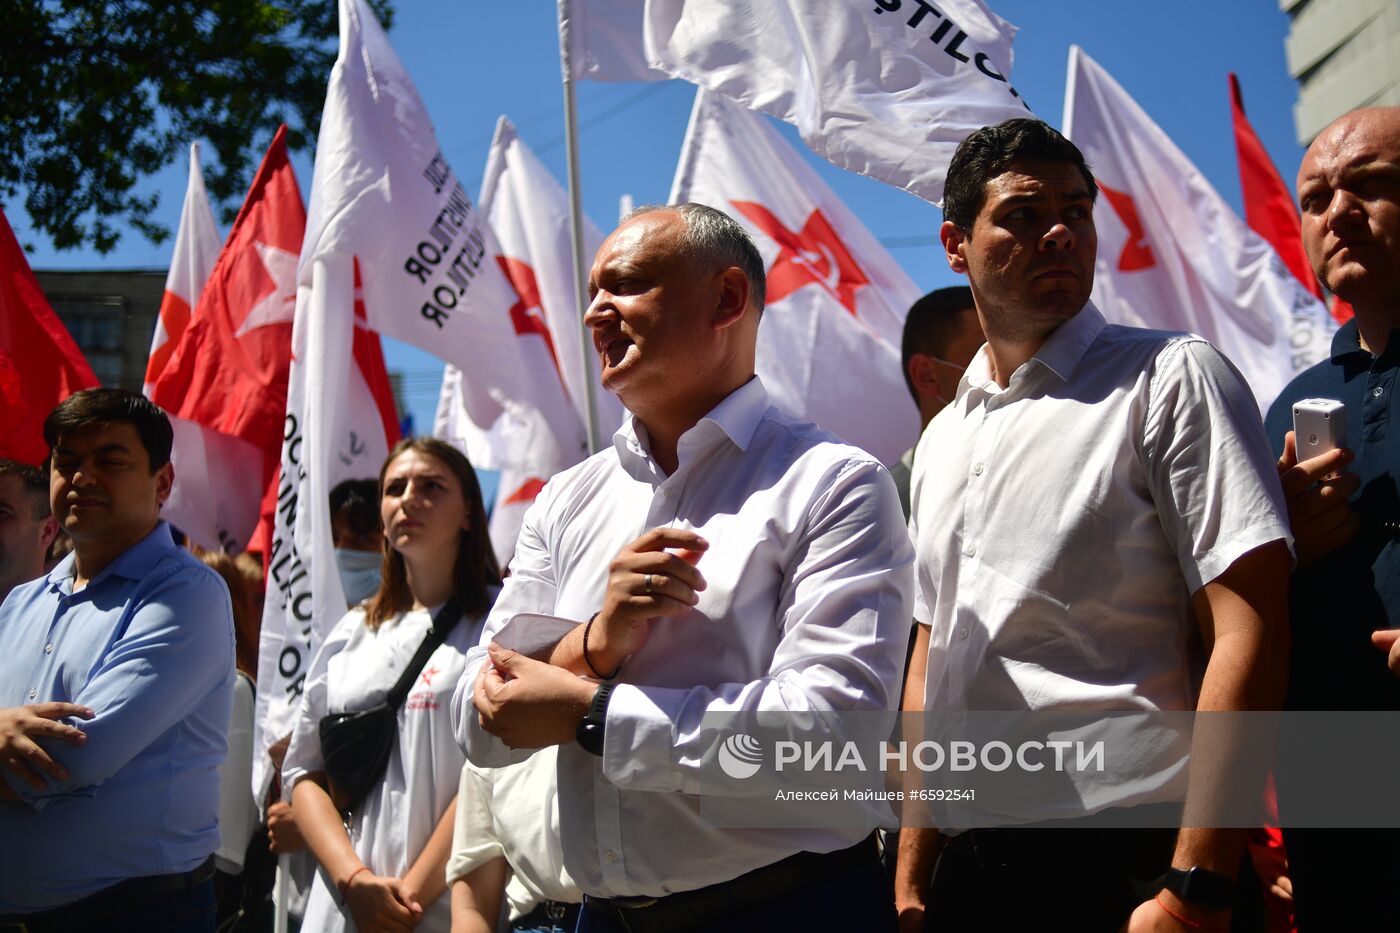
1173, 255
601, 40
208, 465
197, 244
886, 88
528, 211
382, 196
828, 342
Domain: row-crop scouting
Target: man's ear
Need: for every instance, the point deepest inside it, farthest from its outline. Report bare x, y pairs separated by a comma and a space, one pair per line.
48, 531
165, 480
954, 241
732, 296
923, 373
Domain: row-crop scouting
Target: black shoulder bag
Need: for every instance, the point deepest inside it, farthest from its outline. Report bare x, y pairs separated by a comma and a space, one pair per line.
355, 746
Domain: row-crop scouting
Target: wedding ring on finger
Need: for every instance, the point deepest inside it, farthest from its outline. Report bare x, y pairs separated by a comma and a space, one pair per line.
646, 584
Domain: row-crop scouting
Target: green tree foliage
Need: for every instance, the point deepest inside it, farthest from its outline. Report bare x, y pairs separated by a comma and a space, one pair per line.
95, 96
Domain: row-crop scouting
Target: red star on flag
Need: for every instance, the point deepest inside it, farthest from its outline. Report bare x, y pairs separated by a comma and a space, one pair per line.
525, 314
813, 255
1137, 251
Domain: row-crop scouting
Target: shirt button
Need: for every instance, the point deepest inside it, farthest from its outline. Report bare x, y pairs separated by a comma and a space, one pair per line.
33, 693
48, 649
610, 855
1378, 391
970, 550
977, 469
962, 633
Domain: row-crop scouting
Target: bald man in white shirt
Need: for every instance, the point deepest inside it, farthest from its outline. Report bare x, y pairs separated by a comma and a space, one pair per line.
1098, 519
720, 557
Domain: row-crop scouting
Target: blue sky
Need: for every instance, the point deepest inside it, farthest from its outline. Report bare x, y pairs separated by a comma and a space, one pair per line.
474, 61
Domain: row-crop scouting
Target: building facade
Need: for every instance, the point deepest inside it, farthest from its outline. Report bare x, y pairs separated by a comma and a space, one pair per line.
1344, 54
111, 313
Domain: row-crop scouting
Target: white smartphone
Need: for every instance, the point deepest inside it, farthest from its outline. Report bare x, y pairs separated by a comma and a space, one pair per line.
1319, 426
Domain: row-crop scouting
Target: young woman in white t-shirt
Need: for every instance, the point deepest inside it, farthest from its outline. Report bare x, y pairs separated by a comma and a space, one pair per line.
386, 870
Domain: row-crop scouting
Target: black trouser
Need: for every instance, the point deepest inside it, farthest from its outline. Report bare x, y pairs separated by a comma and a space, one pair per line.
1344, 879
1063, 878
178, 903
1047, 878
844, 892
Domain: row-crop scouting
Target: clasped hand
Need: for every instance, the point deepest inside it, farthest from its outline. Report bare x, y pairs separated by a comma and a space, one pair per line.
528, 703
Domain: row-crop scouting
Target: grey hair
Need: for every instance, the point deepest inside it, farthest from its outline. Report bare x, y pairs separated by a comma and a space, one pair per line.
712, 236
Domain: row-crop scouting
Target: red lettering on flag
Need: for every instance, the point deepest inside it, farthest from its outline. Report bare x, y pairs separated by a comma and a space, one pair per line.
812, 255
1137, 252
526, 493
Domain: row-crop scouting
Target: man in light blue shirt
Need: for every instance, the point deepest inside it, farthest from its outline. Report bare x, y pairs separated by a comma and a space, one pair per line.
109, 818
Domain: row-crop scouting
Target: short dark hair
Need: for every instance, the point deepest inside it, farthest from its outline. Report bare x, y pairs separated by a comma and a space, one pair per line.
95, 408
34, 484
931, 325
990, 151
713, 236
358, 501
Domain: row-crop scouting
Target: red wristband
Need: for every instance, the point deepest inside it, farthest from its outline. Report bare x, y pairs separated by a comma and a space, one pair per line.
1186, 921
344, 886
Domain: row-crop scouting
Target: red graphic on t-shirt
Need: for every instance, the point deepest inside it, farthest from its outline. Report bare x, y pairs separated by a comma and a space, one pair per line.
813, 255
428, 675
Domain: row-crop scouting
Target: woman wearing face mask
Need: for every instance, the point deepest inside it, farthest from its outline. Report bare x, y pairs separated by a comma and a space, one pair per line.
384, 867
358, 537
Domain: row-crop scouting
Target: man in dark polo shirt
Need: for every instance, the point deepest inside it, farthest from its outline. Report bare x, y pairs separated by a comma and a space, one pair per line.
1346, 589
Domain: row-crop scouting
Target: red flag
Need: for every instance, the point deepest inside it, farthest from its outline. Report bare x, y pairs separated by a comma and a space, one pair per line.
1268, 204
40, 365
368, 352
229, 370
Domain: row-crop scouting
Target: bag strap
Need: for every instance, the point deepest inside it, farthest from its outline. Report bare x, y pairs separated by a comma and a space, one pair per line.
443, 623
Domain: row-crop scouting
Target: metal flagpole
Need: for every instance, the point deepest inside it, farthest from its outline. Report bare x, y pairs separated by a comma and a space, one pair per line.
576, 228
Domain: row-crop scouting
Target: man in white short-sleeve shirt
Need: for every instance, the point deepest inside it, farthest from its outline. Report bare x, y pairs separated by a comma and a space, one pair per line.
721, 557
1099, 527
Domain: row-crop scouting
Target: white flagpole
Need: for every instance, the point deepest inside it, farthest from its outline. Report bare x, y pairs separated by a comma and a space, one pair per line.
279, 893
576, 228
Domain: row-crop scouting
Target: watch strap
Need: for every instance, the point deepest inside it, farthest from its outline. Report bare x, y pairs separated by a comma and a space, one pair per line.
590, 731
1202, 887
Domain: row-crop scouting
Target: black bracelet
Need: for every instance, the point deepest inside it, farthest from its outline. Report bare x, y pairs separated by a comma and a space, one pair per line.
588, 660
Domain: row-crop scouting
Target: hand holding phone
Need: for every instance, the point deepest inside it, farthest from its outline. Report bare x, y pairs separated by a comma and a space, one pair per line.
1316, 489
1319, 426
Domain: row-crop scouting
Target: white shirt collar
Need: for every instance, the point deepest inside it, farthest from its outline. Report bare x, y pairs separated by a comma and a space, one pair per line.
1070, 341
1060, 354
736, 418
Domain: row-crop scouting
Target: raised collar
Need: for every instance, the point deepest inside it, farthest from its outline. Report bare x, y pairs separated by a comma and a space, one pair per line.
1060, 354
1064, 349
736, 418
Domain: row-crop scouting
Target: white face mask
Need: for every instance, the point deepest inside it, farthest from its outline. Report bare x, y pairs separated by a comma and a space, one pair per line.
359, 574
949, 363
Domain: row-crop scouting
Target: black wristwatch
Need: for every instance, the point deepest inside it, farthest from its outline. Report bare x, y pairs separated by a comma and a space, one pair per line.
1202, 887
590, 731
